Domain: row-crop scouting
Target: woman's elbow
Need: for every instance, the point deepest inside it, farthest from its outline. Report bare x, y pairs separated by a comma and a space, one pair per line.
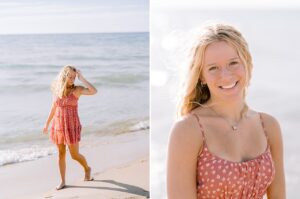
94, 91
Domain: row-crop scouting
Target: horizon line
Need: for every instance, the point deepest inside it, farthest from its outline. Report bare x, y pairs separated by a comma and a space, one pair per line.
57, 33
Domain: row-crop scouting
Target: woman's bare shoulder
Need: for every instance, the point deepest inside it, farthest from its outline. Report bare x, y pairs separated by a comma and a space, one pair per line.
268, 118
186, 132
77, 90
186, 123
269, 121
272, 127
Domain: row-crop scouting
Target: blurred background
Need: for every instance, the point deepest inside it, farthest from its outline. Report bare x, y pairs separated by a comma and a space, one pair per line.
272, 31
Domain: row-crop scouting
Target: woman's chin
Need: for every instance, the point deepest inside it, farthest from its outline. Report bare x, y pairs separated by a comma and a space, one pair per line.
231, 95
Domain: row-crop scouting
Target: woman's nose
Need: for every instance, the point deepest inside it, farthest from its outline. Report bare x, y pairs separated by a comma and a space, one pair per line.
225, 72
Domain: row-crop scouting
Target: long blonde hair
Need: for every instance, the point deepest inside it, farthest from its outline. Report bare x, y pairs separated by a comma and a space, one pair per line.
194, 94
59, 86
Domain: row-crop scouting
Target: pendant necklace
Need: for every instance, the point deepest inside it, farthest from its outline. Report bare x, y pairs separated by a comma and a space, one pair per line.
234, 127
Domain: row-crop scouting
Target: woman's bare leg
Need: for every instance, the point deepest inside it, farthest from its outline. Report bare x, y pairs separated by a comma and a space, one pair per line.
62, 164
74, 151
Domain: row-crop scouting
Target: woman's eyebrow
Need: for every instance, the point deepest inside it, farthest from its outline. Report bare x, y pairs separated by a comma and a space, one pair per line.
213, 64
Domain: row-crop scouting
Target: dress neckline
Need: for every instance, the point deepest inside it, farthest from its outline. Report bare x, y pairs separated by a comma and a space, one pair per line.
70, 95
205, 149
73, 95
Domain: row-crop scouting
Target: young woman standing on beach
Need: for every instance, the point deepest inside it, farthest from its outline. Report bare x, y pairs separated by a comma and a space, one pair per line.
66, 127
221, 148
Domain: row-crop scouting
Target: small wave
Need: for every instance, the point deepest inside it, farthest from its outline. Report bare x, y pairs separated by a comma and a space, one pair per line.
123, 79
12, 156
142, 125
123, 127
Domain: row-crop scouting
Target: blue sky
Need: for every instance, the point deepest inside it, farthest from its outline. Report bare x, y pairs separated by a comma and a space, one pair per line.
73, 16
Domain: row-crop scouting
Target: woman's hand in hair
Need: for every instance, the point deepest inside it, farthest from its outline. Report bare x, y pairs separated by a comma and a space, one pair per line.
79, 74
89, 90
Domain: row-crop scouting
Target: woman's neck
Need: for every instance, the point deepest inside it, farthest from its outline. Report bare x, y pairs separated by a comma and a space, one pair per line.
70, 86
233, 110
68, 90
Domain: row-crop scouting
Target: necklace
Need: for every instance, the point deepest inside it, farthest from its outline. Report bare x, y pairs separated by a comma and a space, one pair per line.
234, 127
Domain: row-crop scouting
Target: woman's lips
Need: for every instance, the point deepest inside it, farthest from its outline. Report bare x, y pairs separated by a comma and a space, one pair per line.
229, 86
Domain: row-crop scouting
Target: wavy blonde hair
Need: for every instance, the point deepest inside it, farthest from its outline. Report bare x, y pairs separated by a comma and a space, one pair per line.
59, 86
194, 94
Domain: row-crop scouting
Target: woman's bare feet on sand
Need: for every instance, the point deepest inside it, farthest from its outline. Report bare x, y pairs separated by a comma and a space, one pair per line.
61, 186
88, 176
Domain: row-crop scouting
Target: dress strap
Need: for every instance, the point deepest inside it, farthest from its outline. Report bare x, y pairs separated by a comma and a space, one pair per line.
200, 125
263, 126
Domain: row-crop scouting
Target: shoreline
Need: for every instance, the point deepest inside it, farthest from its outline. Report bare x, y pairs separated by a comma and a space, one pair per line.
124, 181
34, 177
32, 148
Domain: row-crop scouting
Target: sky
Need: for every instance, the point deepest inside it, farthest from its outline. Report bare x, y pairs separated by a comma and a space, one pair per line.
228, 4
73, 16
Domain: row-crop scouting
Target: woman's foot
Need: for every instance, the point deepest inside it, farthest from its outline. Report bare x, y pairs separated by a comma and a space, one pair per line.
88, 176
61, 186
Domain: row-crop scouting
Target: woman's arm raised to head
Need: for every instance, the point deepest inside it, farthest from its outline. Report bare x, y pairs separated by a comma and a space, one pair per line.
277, 189
184, 144
90, 90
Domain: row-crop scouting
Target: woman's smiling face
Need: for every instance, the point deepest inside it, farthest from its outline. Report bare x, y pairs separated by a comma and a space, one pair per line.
223, 71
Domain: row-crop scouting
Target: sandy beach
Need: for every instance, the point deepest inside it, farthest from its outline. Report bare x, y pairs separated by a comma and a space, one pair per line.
120, 166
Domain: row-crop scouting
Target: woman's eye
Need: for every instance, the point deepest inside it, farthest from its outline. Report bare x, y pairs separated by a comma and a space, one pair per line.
212, 68
233, 63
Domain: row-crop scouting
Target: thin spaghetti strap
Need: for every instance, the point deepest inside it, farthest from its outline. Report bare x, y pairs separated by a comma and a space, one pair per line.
263, 126
200, 125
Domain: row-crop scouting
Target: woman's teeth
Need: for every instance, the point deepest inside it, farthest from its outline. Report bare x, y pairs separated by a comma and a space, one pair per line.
228, 86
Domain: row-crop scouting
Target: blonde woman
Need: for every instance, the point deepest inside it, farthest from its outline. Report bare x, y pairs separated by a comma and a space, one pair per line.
66, 127
221, 148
